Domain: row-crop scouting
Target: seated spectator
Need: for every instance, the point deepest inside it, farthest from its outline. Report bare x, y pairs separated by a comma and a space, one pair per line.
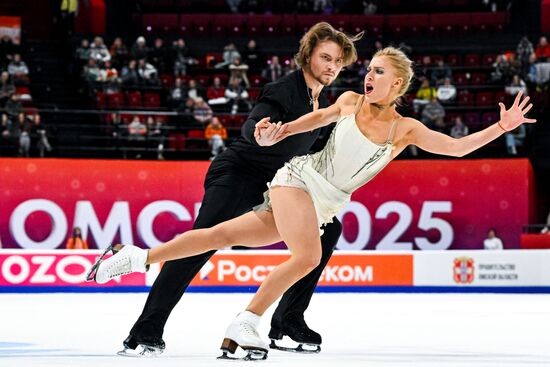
18, 70
514, 139
39, 131
500, 69
459, 130
25, 128
424, 95
92, 73
516, 86
492, 242
139, 49
177, 94
186, 110
446, 92
130, 75
292, 66
433, 114
216, 134
543, 50
202, 111
119, 53
98, 51
252, 56
156, 136
194, 90
514, 68
13, 107
238, 70
237, 95
6, 88
524, 51
273, 71
216, 93
10, 131
76, 242
532, 73
148, 74
82, 53
229, 54
158, 55
137, 134
440, 72
111, 81
181, 57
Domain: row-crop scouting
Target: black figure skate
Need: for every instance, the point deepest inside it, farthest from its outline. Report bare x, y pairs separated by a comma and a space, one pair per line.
295, 327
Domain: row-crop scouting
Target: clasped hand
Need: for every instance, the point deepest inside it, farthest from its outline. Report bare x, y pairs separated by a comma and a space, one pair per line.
267, 133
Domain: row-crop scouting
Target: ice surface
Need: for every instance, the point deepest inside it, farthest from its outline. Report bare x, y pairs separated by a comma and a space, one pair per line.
363, 329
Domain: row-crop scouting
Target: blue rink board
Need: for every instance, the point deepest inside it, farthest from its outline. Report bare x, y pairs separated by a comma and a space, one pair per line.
247, 289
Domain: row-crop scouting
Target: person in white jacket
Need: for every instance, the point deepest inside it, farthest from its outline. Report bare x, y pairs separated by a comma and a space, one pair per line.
492, 242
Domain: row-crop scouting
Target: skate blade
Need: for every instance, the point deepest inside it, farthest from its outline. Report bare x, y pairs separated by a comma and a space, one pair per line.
141, 351
299, 349
252, 355
90, 276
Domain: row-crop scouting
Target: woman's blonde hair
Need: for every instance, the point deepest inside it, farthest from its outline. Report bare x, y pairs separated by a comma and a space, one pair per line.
402, 65
321, 32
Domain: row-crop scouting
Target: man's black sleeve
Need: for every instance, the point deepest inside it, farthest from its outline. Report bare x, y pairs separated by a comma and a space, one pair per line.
274, 102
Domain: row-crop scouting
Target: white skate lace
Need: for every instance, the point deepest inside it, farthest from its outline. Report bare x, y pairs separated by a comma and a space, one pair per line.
121, 266
249, 329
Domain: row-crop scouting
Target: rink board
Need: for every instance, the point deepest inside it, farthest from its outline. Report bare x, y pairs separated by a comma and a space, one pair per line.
513, 271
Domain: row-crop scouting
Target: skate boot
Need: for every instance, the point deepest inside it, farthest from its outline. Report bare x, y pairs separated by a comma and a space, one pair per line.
295, 327
243, 332
125, 260
133, 348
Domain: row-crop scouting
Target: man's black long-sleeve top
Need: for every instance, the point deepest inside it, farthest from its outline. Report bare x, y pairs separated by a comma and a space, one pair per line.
283, 100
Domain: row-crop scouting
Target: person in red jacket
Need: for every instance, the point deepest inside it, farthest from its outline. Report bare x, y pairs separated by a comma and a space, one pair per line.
543, 50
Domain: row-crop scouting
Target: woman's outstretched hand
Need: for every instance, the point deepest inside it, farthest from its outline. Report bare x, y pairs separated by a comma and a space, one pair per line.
267, 133
515, 116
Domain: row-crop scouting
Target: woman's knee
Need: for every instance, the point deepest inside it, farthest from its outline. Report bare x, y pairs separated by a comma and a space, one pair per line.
308, 262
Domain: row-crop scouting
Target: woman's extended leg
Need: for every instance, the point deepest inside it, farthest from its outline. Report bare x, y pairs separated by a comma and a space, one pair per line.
297, 224
252, 229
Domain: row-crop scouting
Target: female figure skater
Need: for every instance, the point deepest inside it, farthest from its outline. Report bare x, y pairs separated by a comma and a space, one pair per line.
369, 133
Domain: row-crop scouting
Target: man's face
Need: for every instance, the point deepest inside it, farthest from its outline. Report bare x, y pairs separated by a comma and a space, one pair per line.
326, 62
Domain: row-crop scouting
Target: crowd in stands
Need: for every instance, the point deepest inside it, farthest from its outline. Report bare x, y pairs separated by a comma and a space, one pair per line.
19, 130
366, 7
454, 94
240, 73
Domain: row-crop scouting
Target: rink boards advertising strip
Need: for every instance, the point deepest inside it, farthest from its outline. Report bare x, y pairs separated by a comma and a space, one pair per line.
514, 271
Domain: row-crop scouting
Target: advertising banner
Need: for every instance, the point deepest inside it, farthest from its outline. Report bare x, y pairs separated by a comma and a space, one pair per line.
411, 205
482, 268
347, 271
227, 269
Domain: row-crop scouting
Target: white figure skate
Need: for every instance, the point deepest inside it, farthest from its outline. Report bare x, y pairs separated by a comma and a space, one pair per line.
125, 260
243, 332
